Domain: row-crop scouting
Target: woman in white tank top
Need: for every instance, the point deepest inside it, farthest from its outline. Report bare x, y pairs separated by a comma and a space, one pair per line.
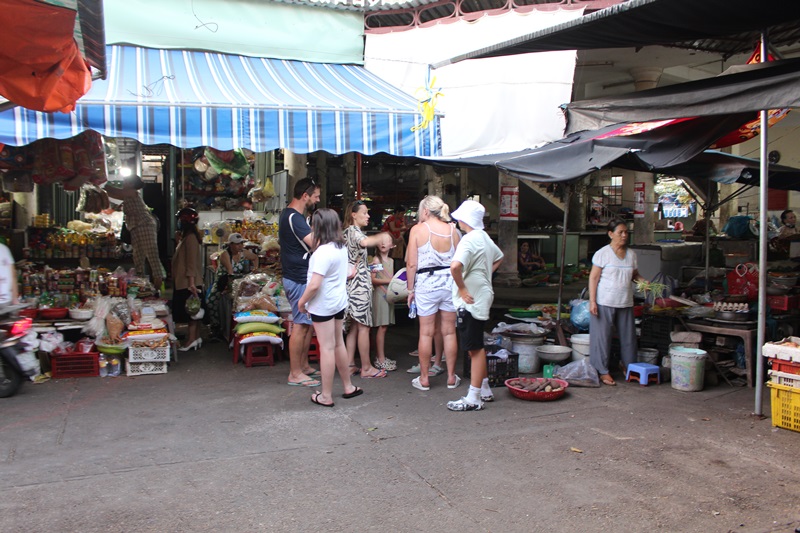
431, 245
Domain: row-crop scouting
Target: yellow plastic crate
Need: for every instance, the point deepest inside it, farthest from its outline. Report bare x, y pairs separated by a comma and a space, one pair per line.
785, 406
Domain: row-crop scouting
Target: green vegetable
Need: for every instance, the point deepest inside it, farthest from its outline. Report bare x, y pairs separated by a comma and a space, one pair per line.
654, 288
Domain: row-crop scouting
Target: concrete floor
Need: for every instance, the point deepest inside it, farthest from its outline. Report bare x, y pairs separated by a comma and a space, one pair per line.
216, 447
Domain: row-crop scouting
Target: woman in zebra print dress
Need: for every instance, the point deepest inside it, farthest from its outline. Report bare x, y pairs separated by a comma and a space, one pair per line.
359, 289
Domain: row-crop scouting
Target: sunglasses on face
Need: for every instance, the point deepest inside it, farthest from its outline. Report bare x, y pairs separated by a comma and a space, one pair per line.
311, 188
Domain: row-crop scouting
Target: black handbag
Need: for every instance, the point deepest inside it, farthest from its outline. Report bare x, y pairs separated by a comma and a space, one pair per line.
222, 282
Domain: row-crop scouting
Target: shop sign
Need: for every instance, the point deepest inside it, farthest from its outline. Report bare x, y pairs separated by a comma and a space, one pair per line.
638, 199
509, 202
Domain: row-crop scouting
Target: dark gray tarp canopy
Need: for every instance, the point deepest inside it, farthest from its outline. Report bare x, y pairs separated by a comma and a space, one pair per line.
684, 23
773, 85
581, 153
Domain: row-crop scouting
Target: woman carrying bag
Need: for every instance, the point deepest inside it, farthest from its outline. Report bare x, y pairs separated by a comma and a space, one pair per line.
187, 276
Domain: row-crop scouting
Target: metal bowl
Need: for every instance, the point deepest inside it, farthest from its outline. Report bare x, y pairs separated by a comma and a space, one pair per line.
733, 316
778, 290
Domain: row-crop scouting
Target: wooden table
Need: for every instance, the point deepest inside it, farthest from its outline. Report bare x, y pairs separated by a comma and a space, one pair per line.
748, 335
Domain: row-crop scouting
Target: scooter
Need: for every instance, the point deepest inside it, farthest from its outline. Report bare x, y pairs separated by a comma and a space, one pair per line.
12, 329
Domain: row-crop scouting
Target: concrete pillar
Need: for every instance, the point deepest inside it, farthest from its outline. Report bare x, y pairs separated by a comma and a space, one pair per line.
645, 77
322, 177
296, 165
463, 186
728, 209
507, 231
643, 228
436, 186
426, 180
26, 208
576, 218
349, 185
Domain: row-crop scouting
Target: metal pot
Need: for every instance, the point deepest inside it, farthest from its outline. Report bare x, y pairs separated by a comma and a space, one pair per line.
732, 316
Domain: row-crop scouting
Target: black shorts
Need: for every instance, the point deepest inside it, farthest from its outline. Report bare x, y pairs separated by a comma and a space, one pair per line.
470, 330
319, 318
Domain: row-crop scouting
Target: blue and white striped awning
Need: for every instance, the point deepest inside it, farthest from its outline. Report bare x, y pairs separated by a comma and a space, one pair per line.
189, 99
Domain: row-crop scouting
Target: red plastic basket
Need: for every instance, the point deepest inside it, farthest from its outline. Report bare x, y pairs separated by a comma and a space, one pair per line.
74, 365
537, 396
784, 366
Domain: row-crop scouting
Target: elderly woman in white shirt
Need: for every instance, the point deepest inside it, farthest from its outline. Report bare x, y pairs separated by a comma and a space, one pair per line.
614, 269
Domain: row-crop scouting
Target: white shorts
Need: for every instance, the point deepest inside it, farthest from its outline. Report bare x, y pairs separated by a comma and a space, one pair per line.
430, 302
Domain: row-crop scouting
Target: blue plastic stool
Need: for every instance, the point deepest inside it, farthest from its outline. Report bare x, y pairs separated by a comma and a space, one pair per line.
644, 372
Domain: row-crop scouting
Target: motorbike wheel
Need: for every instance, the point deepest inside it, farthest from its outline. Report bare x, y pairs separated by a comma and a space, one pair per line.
10, 379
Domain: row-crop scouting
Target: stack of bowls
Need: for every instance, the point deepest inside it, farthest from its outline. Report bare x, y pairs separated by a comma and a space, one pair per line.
781, 283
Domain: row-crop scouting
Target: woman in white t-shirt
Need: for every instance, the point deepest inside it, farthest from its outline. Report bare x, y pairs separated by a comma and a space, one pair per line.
325, 301
8, 277
614, 268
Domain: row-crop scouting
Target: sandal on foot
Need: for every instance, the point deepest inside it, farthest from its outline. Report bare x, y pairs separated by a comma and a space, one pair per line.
315, 399
464, 405
379, 374
310, 382
413, 370
387, 364
608, 380
417, 385
456, 384
358, 391
355, 372
435, 370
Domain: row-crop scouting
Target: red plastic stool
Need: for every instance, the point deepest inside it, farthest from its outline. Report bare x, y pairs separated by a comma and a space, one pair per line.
313, 350
252, 358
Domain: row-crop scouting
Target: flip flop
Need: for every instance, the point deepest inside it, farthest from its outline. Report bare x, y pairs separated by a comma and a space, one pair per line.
315, 399
608, 380
314, 373
456, 384
305, 383
417, 385
357, 392
378, 374
357, 370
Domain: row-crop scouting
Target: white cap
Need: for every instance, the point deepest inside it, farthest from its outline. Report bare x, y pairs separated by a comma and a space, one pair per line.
470, 213
235, 238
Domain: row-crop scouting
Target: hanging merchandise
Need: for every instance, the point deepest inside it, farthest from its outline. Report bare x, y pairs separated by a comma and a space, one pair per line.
71, 162
232, 162
93, 199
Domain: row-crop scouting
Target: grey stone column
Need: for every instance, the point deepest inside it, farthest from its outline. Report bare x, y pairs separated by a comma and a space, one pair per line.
644, 228
348, 187
322, 178
507, 231
296, 165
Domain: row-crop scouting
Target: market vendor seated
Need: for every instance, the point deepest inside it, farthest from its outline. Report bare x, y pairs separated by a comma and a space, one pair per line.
527, 261
234, 261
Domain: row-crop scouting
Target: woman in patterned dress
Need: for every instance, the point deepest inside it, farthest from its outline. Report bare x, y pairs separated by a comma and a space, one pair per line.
235, 260
359, 288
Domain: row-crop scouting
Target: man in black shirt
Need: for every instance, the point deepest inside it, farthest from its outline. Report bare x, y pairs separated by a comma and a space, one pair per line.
295, 239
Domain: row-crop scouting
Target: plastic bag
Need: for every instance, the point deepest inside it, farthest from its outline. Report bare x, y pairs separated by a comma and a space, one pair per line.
578, 374
397, 290
579, 314
193, 305
738, 227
